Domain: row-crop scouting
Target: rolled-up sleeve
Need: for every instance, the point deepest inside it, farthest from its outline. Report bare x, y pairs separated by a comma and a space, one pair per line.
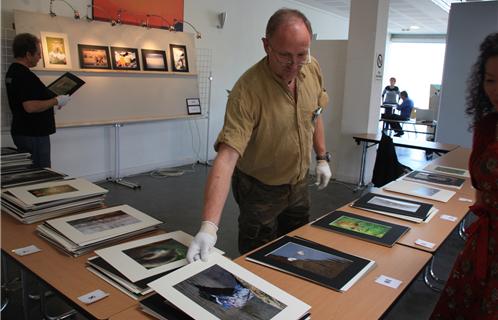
239, 123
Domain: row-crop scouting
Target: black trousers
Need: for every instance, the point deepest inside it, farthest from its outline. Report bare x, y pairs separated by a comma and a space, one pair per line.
39, 147
396, 126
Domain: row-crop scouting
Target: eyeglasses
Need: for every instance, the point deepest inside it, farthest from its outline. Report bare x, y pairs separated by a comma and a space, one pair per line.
288, 59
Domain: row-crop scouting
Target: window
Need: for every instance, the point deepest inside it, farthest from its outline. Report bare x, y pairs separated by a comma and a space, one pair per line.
415, 66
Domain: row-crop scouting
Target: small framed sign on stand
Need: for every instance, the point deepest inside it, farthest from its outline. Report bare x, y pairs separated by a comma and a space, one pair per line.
193, 106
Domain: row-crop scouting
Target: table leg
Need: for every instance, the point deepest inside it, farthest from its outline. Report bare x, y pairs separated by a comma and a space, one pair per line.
361, 178
461, 229
25, 295
44, 311
428, 277
433, 275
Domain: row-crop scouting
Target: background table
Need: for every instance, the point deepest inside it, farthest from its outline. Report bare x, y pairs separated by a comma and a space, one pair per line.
374, 139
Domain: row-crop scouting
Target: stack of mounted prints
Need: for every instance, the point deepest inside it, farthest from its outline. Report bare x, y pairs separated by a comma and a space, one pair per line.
162, 309
29, 176
84, 232
221, 289
131, 265
37, 202
314, 262
13, 160
400, 208
437, 179
373, 230
448, 170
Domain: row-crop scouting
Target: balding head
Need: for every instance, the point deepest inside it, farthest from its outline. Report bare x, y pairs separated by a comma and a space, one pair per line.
286, 16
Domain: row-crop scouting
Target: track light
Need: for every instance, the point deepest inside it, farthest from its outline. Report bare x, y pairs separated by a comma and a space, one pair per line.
52, 13
145, 23
197, 33
118, 18
168, 25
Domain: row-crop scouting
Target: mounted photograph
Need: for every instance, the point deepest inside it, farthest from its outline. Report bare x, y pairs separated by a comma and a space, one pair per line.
179, 60
154, 60
56, 53
94, 57
125, 58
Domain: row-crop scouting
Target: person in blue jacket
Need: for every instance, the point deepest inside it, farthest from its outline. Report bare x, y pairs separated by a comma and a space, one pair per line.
405, 109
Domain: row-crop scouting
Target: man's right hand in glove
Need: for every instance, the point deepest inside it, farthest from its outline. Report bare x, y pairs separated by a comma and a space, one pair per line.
203, 242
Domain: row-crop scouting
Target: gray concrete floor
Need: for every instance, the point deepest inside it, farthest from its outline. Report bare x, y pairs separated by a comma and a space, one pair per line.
178, 201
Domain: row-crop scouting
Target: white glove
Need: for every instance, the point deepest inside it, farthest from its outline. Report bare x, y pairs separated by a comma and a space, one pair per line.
62, 100
203, 242
323, 174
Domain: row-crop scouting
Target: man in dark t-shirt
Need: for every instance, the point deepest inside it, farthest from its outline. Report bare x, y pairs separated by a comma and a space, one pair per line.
30, 101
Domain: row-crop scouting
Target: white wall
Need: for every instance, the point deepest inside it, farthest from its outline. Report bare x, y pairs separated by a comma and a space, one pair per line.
332, 57
88, 151
468, 25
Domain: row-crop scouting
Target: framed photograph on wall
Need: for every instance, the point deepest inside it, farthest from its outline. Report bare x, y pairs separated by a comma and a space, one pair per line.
154, 60
179, 60
125, 58
55, 48
193, 106
94, 57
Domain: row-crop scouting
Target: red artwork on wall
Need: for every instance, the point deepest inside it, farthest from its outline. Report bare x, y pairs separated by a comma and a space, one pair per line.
151, 13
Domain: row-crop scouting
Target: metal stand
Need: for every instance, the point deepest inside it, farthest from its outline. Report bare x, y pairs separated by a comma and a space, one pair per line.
208, 114
117, 179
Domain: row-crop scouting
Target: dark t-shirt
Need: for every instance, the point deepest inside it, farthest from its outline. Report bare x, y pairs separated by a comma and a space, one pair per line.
23, 85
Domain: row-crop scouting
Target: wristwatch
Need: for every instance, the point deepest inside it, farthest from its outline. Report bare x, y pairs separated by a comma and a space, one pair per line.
327, 156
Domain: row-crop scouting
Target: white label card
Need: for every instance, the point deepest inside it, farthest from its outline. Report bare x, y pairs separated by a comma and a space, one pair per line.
465, 199
424, 243
448, 217
388, 281
26, 250
93, 296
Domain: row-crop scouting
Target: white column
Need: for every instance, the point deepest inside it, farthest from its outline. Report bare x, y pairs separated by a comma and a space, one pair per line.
363, 84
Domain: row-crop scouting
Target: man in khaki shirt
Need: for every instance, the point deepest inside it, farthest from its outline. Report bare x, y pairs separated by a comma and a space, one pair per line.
271, 124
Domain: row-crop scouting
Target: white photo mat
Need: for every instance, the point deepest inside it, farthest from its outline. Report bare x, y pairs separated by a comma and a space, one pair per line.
63, 226
132, 269
419, 190
448, 170
294, 309
82, 188
431, 214
56, 54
